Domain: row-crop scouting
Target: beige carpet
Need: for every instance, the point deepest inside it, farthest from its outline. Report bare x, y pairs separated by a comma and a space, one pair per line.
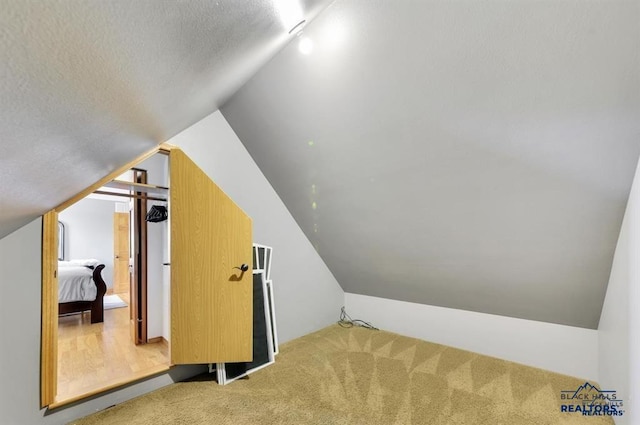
361, 376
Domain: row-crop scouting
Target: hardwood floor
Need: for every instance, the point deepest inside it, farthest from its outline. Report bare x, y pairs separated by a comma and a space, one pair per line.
95, 356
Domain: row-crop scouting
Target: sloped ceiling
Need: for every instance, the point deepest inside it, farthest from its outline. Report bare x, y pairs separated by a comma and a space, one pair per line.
87, 86
474, 155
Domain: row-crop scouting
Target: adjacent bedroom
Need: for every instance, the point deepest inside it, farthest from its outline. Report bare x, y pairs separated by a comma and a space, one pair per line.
112, 288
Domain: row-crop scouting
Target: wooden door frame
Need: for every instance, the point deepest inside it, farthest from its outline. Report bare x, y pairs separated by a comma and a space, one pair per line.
117, 287
49, 311
49, 329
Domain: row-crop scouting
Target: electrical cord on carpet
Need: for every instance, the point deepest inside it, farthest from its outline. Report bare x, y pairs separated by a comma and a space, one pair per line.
347, 322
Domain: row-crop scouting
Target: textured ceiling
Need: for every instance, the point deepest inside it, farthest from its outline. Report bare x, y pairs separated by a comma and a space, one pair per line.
86, 86
474, 155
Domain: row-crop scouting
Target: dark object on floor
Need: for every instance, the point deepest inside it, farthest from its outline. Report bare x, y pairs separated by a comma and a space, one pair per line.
347, 322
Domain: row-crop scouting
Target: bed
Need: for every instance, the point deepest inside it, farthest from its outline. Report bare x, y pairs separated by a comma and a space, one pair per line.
81, 288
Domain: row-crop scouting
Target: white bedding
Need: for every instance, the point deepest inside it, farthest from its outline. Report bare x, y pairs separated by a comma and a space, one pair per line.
75, 283
90, 262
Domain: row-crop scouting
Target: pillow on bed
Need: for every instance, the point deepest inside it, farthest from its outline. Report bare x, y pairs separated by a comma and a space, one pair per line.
75, 263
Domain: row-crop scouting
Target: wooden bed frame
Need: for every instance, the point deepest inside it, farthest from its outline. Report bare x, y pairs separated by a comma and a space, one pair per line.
96, 306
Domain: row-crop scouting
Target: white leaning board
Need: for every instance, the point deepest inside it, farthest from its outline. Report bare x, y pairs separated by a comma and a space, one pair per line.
262, 255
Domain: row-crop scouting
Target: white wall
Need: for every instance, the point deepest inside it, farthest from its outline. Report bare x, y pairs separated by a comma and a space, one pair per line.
307, 296
157, 305
633, 397
563, 349
89, 233
619, 352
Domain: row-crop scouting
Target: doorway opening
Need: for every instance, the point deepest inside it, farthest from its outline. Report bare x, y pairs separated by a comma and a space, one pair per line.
109, 227
210, 237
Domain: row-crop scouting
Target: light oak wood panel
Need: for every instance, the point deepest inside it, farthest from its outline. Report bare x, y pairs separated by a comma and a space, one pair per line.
211, 302
49, 339
121, 252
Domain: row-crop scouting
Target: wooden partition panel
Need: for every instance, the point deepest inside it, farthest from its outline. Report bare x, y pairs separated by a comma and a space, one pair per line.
211, 300
121, 240
49, 318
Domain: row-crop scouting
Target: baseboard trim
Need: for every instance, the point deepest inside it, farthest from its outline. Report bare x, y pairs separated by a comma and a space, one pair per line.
157, 339
558, 348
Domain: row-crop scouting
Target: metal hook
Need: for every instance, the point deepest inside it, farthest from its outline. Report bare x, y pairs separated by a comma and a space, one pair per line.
242, 268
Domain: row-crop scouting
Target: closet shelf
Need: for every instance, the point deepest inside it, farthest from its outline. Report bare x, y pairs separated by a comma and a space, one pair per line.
138, 187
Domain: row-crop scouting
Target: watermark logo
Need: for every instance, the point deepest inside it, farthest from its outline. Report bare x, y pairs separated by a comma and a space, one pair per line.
589, 400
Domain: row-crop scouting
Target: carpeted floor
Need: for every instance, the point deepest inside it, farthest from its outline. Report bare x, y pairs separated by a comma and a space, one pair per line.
361, 376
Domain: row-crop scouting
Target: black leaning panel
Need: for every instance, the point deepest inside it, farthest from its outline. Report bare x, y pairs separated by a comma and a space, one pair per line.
261, 257
260, 340
255, 259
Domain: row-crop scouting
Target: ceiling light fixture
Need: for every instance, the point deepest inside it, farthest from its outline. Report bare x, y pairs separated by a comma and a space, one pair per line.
298, 27
305, 45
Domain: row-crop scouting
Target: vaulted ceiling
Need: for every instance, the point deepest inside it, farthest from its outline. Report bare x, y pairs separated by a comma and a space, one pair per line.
473, 155
86, 86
